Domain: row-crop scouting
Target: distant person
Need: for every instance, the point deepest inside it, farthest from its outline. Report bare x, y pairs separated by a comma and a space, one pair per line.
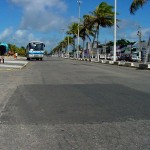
2, 52
9, 53
16, 54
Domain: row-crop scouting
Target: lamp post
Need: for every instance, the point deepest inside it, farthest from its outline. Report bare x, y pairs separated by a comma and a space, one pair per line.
139, 34
62, 39
68, 46
115, 3
79, 4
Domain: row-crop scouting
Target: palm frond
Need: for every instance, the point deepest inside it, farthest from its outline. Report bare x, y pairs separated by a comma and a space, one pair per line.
136, 4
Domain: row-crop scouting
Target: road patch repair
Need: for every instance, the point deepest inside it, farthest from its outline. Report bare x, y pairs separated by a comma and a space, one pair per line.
13, 64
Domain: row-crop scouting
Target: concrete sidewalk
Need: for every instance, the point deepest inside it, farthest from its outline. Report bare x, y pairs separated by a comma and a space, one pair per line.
13, 63
138, 65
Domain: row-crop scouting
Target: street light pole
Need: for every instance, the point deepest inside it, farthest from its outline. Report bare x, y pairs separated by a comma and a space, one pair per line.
139, 34
68, 46
115, 18
62, 39
79, 4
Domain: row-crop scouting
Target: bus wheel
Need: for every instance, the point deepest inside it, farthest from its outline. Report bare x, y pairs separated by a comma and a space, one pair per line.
41, 59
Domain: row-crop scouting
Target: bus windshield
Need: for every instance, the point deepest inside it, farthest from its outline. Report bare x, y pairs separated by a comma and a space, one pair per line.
36, 46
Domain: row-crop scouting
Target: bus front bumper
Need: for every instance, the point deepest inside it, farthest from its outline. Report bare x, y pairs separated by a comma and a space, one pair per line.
36, 55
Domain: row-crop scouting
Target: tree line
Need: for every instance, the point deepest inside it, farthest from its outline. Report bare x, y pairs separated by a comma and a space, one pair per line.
12, 49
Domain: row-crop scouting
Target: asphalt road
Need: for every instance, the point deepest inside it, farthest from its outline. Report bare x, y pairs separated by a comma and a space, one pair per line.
61, 104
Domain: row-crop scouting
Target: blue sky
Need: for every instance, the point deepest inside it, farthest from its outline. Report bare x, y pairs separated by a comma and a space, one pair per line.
26, 20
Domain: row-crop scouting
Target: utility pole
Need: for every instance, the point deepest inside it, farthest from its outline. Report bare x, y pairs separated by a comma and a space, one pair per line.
115, 18
139, 34
68, 46
62, 40
147, 51
79, 4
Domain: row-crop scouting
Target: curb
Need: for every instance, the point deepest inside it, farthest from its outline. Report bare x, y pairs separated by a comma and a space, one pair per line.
120, 63
144, 66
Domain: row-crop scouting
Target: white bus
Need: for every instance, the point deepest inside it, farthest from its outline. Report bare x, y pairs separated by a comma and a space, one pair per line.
35, 50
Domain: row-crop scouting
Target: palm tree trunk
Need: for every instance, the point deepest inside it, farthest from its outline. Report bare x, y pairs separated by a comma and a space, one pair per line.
97, 37
94, 39
83, 49
74, 46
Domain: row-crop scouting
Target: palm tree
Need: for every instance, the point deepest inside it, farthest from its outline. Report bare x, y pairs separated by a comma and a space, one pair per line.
64, 43
57, 49
136, 4
84, 34
73, 30
102, 16
71, 42
66, 40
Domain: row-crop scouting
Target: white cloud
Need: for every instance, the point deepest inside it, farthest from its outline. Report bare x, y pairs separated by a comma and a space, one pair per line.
20, 34
133, 35
40, 4
31, 37
41, 15
128, 29
21, 37
145, 34
6, 33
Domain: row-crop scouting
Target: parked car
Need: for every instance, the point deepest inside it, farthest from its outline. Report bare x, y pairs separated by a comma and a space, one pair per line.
112, 57
125, 57
108, 57
135, 57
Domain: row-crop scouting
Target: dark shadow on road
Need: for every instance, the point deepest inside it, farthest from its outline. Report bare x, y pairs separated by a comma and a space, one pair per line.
75, 104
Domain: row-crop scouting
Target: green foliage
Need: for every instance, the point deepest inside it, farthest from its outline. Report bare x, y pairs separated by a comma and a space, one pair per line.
122, 43
136, 4
102, 16
45, 52
110, 43
20, 50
